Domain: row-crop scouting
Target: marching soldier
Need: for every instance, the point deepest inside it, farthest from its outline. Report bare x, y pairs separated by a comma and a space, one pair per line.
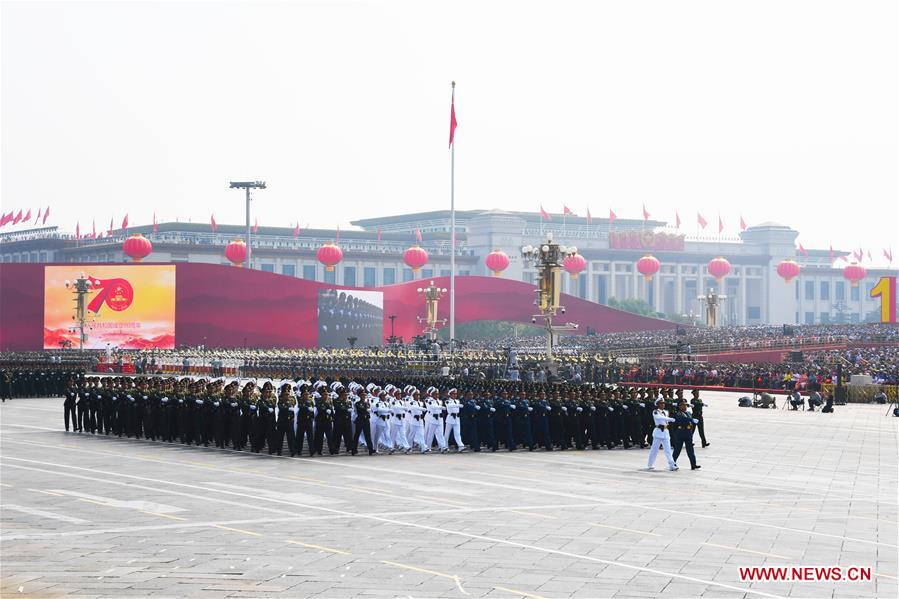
660, 436
286, 414
343, 410
683, 433
362, 408
324, 411
698, 407
433, 424
453, 421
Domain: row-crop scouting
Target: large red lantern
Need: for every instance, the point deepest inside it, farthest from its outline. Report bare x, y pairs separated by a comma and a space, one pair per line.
236, 252
788, 269
719, 268
137, 247
497, 261
574, 265
854, 273
330, 255
647, 266
415, 257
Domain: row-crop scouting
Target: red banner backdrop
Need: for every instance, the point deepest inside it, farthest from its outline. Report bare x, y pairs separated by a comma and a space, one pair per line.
223, 306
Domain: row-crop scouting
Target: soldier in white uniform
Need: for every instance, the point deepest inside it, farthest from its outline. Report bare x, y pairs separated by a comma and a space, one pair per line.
417, 412
398, 425
660, 436
453, 421
433, 424
381, 426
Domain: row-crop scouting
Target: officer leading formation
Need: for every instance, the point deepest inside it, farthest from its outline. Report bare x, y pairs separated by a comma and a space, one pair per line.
336, 416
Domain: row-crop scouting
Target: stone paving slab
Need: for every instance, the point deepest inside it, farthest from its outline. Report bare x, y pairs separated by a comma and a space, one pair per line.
777, 488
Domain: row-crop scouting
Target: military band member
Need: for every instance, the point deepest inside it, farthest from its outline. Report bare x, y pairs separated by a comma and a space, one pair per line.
433, 422
660, 436
453, 430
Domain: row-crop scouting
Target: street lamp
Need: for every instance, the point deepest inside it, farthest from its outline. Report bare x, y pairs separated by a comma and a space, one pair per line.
248, 185
548, 258
80, 287
432, 295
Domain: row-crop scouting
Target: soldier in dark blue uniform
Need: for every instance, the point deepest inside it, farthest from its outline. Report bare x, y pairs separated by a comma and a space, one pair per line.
486, 422
683, 426
469, 412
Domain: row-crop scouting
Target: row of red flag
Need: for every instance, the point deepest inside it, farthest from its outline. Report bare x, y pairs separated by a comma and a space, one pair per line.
700, 220
12, 217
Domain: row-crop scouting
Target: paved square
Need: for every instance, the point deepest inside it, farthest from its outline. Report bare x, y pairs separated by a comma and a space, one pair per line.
99, 516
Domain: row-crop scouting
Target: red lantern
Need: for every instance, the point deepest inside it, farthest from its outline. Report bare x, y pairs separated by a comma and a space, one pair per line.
236, 252
415, 257
854, 273
497, 261
329, 254
788, 269
574, 265
647, 266
137, 247
719, 268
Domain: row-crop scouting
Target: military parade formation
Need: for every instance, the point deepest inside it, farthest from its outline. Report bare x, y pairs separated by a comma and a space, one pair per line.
331, 416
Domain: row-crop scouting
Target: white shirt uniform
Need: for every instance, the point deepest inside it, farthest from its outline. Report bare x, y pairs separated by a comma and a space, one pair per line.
454, 422
398, 425
417, 411
661, 437
433, 424
380, 428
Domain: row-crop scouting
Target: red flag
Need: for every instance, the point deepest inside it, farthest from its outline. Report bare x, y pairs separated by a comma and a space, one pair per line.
6, 218
544, 214
18, 217
589, 218
844, 258
212, 223
858, 255
612, 216
379, 232
702, 222
38, 216
720, 225
676, 220
256, 226
338, 232
869, 255
77, 230
296, 230
742, 223
125, 223
830, 254
802, 250
453, 122
645, 213
888, 255
46, 214
111, 225
154, 223
417, 233
27, 216
566, 210
94, 234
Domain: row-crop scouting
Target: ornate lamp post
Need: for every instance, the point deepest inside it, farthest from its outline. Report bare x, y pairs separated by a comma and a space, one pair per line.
712, 303
80, 288
432, 295
548, 258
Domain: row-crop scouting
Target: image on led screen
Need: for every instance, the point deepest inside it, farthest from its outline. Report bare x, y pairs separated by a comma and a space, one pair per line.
350, 317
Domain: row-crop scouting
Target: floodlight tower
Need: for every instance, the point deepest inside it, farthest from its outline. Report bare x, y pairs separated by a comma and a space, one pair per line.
248, 185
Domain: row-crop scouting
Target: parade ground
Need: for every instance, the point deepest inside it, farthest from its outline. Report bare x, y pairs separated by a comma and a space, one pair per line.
101, 516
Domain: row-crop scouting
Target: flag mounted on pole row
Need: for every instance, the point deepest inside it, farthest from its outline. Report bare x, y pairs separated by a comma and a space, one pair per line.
589, 218
78, 230
453, 122
256, 226
544, 214
94, 229
418, 236
830, 253
612, 216
701, 221
337, 240
742, 223
645, 213
888, 254
802, 250
212, 223
720, 225
46, 214
154, 223
18, 218
38, 216
296, 230
27, 216
869, 255
125, 224
5, 218
566, 210
379, 232
676, 219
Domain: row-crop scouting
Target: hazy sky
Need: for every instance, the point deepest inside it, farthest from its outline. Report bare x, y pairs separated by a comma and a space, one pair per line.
780, 110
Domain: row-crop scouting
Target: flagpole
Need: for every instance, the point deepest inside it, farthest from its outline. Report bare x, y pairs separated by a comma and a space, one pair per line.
452, 315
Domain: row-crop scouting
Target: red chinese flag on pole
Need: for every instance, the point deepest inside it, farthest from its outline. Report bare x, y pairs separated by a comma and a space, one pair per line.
742, 223
38, 216
645, 213
77, 230
589, 218
802, 250
379, 232
544, 214
256, 226
338, 233
702, 222
830, 254
125, 223
154, 222
869, 255
94, 233
453, 122
417, 233
27, 216
676, 219
566, 210
296, 230
18, 218
109, 232
5, 218
212, 223
720, 225
46, 214
612, 216
888, 255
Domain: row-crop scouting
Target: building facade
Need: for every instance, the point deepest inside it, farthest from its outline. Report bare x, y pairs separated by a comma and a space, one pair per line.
755, 293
